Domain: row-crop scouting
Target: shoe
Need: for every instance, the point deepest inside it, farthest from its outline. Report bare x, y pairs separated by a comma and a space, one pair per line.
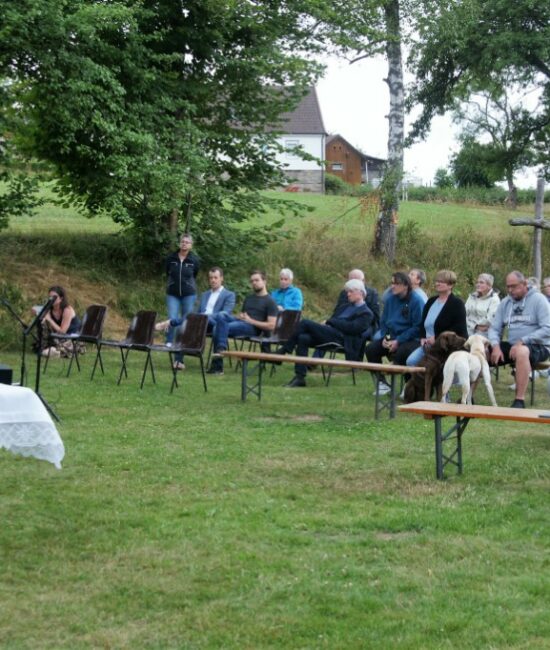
281, 350
512, 387
163, 326
218, 354
216, 367
52, 353
518, 404
296, 382
179, 365
383, 388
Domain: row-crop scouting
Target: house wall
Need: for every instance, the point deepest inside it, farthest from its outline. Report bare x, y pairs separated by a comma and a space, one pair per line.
308, 175
343, 162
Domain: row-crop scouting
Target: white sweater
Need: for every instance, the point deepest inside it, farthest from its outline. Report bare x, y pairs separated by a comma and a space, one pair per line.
480, 310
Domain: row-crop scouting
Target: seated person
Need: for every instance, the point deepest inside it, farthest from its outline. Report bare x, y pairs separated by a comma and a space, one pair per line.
259, 314
287, 296
217, 299
61, 318
443, 312
481, 305
214, 301
418, 279
526, 314
345, 327
399, 331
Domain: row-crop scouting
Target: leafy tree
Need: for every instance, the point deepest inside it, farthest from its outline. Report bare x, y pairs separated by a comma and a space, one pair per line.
474, 45
155, 111
511, 130
471, 165
443, 178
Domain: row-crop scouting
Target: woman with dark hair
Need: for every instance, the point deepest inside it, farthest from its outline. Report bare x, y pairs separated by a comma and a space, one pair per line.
60, 319
400, 323
442, 313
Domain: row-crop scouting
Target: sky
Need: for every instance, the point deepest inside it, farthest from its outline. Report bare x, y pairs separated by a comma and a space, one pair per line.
354, 102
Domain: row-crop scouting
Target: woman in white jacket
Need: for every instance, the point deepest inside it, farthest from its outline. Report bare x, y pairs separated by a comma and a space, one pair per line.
481, 305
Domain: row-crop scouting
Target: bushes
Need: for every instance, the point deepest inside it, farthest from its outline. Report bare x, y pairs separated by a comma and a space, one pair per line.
478, 195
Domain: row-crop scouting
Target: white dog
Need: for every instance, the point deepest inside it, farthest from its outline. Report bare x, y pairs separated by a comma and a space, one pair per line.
468, 368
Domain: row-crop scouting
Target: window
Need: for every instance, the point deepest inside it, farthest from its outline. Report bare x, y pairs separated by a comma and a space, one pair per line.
337, 167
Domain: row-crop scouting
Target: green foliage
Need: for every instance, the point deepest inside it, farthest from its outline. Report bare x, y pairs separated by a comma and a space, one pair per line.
470, 165
476, 45
151, 113
443, 178
479, 195
336, 185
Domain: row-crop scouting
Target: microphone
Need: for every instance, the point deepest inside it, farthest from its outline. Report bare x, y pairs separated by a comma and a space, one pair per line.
49, 303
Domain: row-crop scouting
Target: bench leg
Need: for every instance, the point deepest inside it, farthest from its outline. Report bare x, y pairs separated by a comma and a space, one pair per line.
255, 389
388, 401
441, 460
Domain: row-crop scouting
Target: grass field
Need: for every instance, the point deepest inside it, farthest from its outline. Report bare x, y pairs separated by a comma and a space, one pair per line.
197, 521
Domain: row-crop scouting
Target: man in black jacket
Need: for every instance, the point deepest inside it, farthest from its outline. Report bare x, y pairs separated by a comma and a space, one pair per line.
345, 327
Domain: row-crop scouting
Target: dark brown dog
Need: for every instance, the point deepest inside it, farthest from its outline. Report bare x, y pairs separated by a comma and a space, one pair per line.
421, 385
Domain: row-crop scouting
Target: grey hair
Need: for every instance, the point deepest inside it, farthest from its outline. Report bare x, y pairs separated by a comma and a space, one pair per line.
533, 283
354, 285
287, 273
420, 274
519, 275
356, 274
486, 277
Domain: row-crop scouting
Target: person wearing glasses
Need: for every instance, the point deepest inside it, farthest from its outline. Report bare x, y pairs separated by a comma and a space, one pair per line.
443, 312
481, 305
525, 313
399, 330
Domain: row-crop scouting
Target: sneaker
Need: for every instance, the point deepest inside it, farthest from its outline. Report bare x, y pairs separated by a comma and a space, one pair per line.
51, 353
214, 371
216, 367
163, 326
179, 365
296, 382
518, 404
383, 388
218, 354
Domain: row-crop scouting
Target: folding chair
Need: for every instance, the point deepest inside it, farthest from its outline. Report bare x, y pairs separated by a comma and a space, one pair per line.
139, 337
190, 340
333, 349
287, 321
90, 332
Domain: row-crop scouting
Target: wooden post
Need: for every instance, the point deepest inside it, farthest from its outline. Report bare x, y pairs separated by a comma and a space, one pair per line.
538, 224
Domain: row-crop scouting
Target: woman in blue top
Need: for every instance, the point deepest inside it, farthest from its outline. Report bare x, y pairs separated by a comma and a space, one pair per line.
443, 312
287, 296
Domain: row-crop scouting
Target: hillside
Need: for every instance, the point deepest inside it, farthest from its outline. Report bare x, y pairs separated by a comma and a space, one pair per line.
91, 259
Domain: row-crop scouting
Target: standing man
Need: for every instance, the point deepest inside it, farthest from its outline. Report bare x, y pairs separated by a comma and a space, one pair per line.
345, 326
526, 313
259, 314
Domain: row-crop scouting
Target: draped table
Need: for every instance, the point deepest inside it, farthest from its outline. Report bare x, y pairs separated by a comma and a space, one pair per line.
26, 427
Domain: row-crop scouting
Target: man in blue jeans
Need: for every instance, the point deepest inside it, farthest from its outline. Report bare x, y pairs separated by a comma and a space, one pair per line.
259, 314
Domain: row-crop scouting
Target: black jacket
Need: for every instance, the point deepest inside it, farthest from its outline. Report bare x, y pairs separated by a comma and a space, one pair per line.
451, 318
181, 275
352, 328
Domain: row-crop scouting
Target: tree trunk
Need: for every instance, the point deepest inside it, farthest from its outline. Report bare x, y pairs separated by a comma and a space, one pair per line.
512, 198
386, 225
172, 223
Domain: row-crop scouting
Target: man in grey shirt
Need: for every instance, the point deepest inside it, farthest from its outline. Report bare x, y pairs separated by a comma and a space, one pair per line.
526, 314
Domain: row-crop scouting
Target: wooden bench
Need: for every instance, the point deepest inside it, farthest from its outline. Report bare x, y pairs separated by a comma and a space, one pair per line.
464, 413
381, 402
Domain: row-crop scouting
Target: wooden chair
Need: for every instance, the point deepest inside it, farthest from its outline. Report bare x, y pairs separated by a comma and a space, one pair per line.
191, 341
91, 331
139, 337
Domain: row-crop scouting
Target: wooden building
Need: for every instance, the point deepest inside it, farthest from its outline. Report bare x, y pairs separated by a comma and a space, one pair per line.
350, 164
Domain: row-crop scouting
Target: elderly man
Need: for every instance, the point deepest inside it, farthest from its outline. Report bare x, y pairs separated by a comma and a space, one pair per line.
346, 327
287, 296
526, 314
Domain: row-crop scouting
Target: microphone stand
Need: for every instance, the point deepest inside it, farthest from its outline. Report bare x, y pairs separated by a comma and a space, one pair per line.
37, 322
24, 328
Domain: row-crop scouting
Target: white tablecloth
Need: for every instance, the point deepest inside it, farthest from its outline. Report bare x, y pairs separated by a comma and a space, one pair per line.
26, 427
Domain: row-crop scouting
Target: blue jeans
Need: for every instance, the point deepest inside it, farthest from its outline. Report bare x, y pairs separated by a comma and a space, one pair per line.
178, 308
416, 356
227, 325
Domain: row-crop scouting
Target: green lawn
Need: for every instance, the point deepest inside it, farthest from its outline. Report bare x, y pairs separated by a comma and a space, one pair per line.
196, 521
